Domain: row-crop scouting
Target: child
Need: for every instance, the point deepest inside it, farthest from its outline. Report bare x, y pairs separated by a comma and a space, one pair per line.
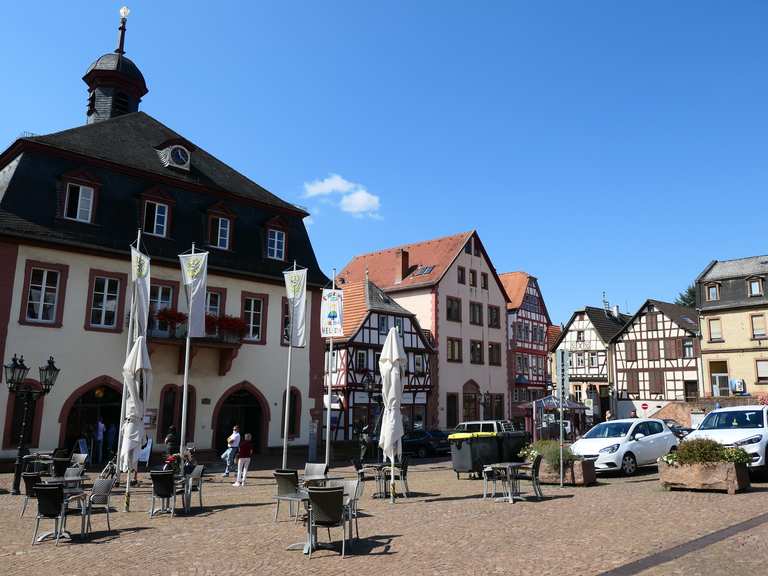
245, 451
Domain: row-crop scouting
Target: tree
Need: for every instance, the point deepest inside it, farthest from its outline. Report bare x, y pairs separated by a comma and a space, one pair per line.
687, 297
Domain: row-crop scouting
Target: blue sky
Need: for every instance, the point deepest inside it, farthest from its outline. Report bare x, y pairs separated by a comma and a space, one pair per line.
601, 146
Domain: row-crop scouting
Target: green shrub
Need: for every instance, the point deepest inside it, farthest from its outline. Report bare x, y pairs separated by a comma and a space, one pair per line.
549, 450
702, 451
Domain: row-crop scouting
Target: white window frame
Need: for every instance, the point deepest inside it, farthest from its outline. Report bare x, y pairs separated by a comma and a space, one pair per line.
759, 282
104, 308
155, 303
41, 302
361, 366
383, 324
709, 328
275, 244
717, 292
208, 307
78, 211
688, 345
418, 364
755, 335
250, 315
222, 232
155, 224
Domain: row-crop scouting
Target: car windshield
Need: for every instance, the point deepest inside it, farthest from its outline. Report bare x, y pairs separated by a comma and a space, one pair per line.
609, 430
733, 419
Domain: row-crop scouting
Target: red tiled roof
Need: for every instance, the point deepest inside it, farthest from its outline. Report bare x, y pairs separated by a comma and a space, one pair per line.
383, 266
515, 284
360, 298
553, 334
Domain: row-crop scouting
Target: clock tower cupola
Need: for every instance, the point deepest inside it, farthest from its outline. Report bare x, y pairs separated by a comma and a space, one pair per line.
115, 83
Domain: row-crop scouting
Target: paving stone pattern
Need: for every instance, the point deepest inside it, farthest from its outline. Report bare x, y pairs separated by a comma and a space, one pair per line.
446, 528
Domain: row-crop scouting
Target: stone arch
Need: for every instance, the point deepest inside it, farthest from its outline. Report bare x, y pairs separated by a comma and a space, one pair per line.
102, 380
265, 413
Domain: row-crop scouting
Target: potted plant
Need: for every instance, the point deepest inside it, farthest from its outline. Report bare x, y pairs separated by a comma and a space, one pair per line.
705, 465
172, 317
211, 325
575, 471
232, 328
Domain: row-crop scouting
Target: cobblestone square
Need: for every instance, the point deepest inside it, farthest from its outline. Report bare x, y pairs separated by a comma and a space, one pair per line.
621, 526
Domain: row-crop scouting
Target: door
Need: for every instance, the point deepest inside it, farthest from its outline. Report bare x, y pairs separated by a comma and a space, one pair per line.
719, 378
642, 447
241, 408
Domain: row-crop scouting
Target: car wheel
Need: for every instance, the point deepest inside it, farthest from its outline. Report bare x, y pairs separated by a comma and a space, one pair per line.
673, 449
421, 452
629, 464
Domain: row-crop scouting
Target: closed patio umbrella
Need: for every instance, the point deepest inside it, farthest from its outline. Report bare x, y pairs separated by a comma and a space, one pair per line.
391, 365
137, 377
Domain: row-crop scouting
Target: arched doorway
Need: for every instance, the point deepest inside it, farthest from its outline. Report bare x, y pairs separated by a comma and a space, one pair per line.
100, 397
245, 406
471, 401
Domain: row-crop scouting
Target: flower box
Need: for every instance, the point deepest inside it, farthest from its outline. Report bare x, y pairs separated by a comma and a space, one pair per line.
729, 476
576, 473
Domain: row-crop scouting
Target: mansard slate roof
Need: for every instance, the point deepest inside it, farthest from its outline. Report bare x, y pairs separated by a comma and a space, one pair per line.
121, 156
133, 139
360, 298
686, 318
739, 268
113, 62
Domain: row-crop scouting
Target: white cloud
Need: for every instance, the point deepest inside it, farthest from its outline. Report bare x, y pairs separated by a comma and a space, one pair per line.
330, 185
360, 202
355, 198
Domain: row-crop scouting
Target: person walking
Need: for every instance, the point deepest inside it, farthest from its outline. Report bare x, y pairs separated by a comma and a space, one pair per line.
245, 451
172, 441
100, 427
233, 445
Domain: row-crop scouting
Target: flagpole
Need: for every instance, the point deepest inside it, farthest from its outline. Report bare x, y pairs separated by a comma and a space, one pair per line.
123, 400
288, 385
331, 366
183, 438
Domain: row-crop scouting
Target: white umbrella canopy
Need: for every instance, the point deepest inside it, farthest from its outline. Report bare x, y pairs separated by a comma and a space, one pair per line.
137, 376
392, 365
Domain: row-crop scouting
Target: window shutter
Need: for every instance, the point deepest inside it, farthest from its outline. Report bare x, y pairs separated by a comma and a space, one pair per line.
679, 347
696, 347
670, 349
632, 383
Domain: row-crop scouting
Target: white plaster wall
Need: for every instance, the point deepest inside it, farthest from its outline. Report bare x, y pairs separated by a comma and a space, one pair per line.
84, 355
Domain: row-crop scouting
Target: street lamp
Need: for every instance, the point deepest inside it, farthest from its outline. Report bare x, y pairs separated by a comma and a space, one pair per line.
16, 379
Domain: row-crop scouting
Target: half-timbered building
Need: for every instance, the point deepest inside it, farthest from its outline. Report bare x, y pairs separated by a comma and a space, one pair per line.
586, 337
527, 323
369, 313
70, 205
453, 289
656, 358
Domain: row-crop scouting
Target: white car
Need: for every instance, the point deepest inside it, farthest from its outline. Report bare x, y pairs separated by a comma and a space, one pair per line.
626, 444
742, 426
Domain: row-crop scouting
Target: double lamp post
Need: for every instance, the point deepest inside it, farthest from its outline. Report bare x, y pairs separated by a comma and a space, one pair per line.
16, 379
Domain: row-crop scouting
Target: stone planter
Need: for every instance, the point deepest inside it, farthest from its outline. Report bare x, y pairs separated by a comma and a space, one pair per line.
711, 476
576, 473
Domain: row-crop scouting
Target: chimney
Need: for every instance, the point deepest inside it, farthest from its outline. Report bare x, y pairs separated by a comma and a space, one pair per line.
401, 265
616, 311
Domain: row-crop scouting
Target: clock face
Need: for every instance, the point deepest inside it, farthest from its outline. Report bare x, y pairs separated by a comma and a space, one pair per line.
179, 156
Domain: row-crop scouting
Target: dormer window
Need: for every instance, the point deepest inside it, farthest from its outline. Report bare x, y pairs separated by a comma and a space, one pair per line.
755, 286
79, 203
219, 232
275, 244
155, 218
712, 292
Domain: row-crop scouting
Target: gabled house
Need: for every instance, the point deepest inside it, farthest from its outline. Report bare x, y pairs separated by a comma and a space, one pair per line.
527, 324
369, 313
656, 358
452, 288
733, 305
587, 337
70, 205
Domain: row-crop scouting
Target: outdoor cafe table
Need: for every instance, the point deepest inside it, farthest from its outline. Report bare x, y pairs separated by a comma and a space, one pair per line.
380, 474
311, 540
71, 495
319, 478
64, 479
511, 481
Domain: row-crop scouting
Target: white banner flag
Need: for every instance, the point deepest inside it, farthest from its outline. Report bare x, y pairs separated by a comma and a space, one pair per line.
332, 314
296, 288
140, 279
194, 275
